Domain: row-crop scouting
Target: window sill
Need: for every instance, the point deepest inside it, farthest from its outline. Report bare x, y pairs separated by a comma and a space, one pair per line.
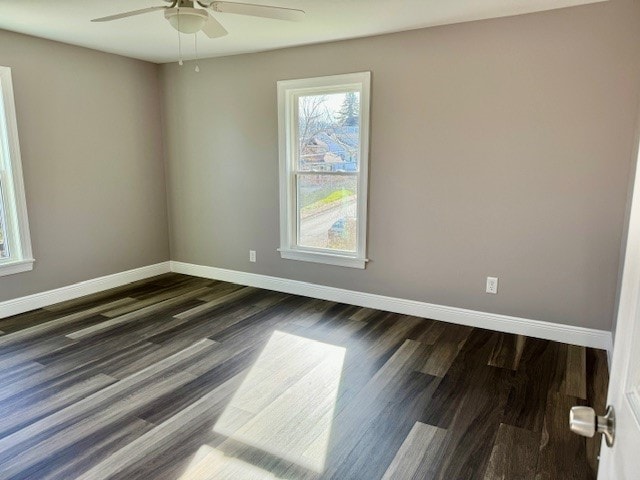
326, 258
17, 266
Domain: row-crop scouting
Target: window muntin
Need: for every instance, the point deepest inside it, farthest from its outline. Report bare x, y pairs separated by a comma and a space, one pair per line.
324, 126
15, 242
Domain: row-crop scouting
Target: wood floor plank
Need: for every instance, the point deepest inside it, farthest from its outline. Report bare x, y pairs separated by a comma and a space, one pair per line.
508, 351
365, 407
265, 462
47, 346
297, 379
419, 454
445, 350
389, 428
514, 455
109, 342
128, 317
150, 300
216, 302
52, 325
143, 329
160, 439
72, 462
329, 326
170, 404
27, 437
363, 314
270, 299
30, 459
313, 312
212, 463
460, 378
541, 370
575, 381
382, 336
262, 323
231, 316
13, 418
220, 289
18, 374
149, 354
24, 320
432, 333
474, 427
129, 289
562, 452
42, 382
180, 282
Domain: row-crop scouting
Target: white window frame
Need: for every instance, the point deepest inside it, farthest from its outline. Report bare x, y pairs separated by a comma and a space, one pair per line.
288, 92
17, 233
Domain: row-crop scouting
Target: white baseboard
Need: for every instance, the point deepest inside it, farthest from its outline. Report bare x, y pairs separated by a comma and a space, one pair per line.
587, 337
80, 289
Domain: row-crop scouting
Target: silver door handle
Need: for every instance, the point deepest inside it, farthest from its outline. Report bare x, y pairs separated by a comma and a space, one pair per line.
583, 421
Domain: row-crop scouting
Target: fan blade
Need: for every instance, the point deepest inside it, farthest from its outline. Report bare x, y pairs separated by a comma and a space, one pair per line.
264, 11
213, 29
127, 14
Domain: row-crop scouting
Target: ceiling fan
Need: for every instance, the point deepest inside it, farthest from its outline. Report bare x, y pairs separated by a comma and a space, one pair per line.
184, 16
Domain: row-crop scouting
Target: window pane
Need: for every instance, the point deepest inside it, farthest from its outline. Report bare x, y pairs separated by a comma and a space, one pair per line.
329, 132
4, 247
327, 211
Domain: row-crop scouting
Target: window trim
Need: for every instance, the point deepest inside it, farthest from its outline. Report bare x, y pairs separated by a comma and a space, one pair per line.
15, 199
288, 90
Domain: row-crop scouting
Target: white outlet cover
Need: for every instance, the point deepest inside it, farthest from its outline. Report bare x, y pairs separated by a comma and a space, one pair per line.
492, 285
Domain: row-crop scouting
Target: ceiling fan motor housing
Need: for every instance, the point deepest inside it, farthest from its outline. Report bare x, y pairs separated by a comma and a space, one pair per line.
186, 19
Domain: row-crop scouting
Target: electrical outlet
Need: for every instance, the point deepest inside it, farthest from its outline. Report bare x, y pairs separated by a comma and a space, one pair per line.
252, 256
492, 285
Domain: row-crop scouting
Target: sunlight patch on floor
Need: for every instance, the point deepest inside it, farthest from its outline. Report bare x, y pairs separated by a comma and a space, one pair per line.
211, 464
286, 403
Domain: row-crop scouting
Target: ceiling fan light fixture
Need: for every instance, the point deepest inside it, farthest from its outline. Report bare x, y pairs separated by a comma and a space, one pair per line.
186, 20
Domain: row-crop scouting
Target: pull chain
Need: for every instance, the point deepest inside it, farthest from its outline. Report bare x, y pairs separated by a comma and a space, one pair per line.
180, 62
195, 39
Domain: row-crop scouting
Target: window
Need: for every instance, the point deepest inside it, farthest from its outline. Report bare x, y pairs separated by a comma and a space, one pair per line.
324, 143
15, 243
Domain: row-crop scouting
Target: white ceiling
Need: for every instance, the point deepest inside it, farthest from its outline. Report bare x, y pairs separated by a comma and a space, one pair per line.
150, 37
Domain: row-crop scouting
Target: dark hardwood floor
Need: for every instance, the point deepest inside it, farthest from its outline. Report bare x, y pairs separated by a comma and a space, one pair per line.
178, 377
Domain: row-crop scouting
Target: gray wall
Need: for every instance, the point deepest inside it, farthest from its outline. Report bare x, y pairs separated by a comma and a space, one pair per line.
90, 134
499, 147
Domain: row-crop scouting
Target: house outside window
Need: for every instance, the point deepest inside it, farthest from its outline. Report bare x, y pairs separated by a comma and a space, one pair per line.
15, 242
323, 141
